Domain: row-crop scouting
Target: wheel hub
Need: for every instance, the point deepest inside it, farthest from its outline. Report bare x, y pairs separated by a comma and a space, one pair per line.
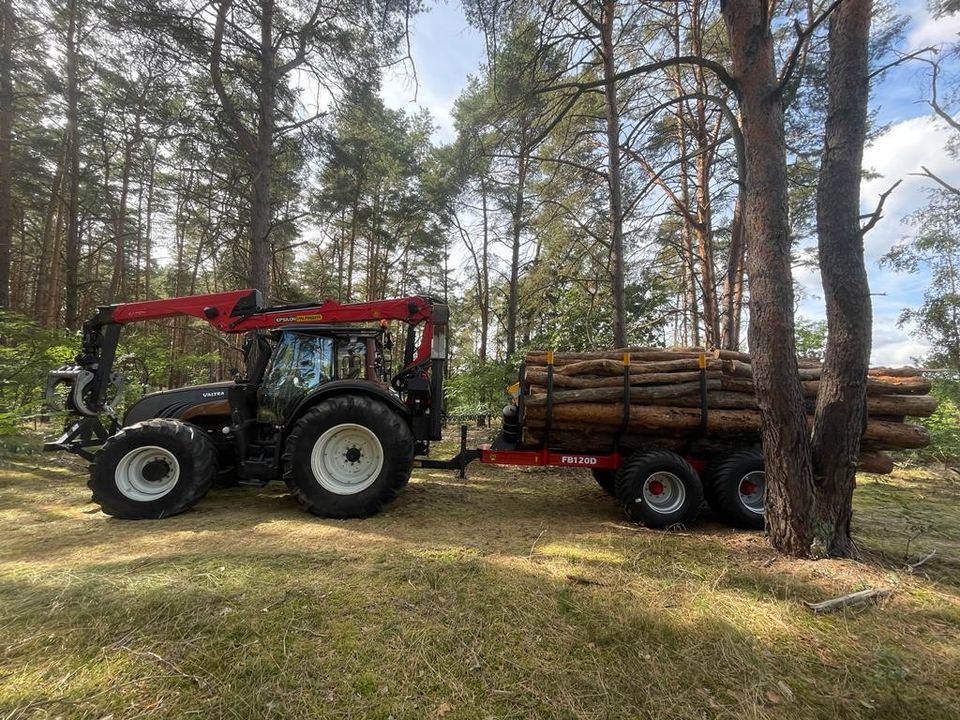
155, 470
347, 459
663, 492
147, 473
751, 491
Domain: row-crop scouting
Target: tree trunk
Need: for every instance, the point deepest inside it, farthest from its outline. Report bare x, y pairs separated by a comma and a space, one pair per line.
48, 243
611, 110
786, 441
263, 159
513, 300
841, 402
485, 273
704, 165
72, 274
6, 130
118, 279
733, 281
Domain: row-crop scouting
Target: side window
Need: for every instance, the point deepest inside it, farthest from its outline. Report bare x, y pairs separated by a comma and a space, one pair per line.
351, 360
300, 363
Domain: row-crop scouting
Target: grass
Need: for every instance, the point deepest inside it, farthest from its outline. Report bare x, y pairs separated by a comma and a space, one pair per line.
514, 594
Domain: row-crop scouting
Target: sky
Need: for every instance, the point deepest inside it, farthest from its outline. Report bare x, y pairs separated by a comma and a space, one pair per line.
446, 51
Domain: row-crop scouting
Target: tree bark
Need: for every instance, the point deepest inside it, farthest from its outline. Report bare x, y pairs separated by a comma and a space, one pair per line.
484, 279
260, 251
611, 110
7, 35
841, 414
786, 441
513, 301
733, 282
72, 253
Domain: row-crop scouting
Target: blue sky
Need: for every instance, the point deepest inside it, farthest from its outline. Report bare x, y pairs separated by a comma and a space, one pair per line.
446, 50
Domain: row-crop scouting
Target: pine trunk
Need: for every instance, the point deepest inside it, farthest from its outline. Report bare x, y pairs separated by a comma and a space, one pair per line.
7, 34
841, 414
786, 441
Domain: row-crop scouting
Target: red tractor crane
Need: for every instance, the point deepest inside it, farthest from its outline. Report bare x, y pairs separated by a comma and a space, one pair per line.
317, 406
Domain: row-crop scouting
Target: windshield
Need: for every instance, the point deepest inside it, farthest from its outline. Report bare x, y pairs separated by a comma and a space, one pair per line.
299, 364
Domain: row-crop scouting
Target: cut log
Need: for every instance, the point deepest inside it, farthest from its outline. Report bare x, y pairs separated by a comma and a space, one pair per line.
649, 419
912, 405
560, 380
615, 367
905, 371
559, 359
886, 385
637, 394
876, 462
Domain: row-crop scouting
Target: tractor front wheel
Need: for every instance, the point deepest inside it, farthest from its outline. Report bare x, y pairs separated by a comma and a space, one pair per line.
153, 469
348, 456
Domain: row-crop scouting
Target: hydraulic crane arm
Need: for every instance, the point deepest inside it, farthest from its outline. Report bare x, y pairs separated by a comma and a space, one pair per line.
237, 311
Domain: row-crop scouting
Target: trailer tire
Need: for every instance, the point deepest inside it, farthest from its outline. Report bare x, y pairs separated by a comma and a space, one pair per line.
736, 489
659, 489
607, 479
153, 469
348, 456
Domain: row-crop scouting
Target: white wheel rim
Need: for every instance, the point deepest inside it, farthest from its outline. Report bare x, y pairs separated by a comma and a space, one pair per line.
664, 492
147, 473
347, 459
750, 489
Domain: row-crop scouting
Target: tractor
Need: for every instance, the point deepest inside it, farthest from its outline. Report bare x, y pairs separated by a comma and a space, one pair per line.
317, 406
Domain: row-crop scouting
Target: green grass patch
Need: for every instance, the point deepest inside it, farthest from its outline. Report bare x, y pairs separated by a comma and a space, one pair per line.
515, 594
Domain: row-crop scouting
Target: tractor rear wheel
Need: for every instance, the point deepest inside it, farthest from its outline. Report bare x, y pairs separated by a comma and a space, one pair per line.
348, 456
659, 489
736, 489
153, 469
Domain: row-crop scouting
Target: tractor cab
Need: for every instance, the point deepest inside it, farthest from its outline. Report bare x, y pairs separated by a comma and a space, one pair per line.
306, 357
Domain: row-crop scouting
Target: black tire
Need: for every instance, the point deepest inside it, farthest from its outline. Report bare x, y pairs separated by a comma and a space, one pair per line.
311, 476
726, 480
680, 487
117, 481
607, 479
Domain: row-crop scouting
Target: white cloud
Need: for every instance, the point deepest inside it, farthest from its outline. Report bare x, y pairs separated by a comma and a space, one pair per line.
928, 31
899, 152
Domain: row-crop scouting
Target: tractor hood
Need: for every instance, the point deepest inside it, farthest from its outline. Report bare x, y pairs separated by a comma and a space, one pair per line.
182, 403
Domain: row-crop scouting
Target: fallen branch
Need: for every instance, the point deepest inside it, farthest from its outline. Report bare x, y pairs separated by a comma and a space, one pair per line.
929, 556
851, 599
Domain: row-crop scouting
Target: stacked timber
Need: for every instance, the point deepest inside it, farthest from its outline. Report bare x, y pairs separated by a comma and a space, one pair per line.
695, 401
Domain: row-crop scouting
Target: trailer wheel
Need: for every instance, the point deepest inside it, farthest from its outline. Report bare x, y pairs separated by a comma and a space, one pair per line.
607, 479
736, 488
659, 489
153, 469
348, 456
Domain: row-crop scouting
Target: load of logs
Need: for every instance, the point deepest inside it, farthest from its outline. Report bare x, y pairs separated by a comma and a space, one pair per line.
696, 401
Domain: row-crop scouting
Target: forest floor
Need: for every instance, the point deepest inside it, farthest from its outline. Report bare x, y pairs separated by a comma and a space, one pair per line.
518, 593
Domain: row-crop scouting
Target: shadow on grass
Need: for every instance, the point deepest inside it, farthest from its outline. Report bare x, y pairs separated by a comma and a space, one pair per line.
406, 635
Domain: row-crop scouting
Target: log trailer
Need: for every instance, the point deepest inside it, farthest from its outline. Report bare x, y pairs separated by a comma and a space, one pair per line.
319, 409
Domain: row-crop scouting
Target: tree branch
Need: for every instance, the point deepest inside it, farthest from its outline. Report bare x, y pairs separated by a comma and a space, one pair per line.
719, 70
802, 37
937, 179
900, 60
878, 213
244, 136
